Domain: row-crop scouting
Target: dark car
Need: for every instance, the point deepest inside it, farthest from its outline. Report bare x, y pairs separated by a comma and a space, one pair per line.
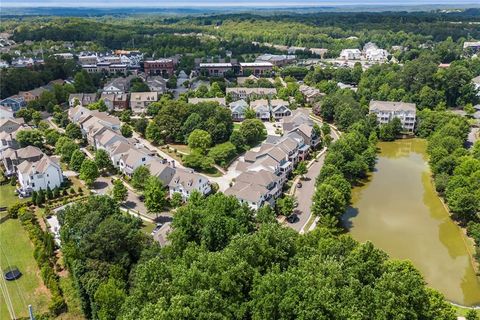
299, 184
293, 218
157, 227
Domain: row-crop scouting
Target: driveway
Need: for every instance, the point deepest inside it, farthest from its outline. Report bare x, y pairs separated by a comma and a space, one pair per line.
104, 184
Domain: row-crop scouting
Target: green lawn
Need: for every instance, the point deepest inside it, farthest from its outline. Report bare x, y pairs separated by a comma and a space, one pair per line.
147, 227
8, 196
16, 249
236, 126
462, 312
182, 148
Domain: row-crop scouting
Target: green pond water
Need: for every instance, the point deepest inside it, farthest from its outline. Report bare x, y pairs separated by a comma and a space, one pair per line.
399, 211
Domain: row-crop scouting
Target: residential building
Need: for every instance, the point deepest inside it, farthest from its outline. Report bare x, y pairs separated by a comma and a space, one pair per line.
89, 59
32, 95
106, 68
472, 46
251, 93
36, 175
215, 69
118, 85
220, 101
300, 123
14, 103
133, 159
8, 132
14, 157
278, 60
261, 108
156, 84
319, 51
256, 188
310, 94
82, 99
186, 181
350, 54
66, 55
6, 113
373, 53
256, 68
163, 170
139, 101
238, 109
160, 67
386, 111
280, 108
116, 102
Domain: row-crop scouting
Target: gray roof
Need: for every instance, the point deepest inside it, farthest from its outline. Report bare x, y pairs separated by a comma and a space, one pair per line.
391, 106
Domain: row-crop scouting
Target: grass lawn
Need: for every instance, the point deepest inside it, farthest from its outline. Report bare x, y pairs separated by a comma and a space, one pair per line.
16, 249
236, 126
8, 196
462, 312
182, 148
147, 227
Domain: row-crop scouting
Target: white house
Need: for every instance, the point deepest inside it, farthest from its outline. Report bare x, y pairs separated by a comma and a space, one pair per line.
261, 108
238, 109
132, 159
42, 174
6, 113
386, 111
185, 181
350, 54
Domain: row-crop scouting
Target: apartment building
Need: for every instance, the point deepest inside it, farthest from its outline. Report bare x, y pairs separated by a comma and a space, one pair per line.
251, 93
386, 111
139, 101
160, 67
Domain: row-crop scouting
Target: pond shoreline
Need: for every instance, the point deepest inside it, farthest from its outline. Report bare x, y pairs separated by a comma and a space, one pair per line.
398, 209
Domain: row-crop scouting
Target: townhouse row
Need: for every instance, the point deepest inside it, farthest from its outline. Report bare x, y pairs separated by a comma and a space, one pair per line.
102, 132
265, 171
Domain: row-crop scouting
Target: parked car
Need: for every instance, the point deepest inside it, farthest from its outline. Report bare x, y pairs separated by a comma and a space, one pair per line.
157, 227
293, 218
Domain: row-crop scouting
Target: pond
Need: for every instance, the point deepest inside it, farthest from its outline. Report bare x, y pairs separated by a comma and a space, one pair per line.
399, 211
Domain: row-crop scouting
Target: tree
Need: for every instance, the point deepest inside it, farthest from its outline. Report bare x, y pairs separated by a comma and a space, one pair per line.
155, 195
139, 177
49, 194
328, 201
238, 140
286, 205
250, 113
89, 172
51, 136
198, 161
126, 131
40, 198
176, 200
199, 139
222, 153
76, 160
102, 160
109, 298
301, 169
469, 109
119, 191
30, 138
471, 315
141, 126
65, 147
253, 130
73, 131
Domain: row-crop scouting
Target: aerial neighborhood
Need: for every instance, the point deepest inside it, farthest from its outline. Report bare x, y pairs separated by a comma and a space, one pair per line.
240, 165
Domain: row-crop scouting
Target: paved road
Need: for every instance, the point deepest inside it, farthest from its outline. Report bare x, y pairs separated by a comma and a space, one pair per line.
305, 193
